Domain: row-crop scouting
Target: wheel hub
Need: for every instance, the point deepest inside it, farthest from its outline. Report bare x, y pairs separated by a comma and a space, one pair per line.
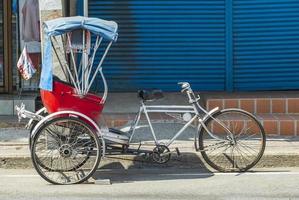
65, 150
232, 140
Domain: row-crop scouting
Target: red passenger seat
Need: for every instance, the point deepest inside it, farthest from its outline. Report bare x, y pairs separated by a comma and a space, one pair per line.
63, 97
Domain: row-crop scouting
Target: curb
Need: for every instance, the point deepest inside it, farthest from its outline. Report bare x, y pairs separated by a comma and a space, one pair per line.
186, 160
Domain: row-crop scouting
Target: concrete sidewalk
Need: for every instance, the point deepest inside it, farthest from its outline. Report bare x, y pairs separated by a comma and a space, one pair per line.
280, 152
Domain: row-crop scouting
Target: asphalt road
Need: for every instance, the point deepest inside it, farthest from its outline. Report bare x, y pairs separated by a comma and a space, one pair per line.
157, 184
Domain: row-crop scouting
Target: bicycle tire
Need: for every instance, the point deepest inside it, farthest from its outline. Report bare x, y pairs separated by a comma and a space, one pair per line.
42, 169
217, 165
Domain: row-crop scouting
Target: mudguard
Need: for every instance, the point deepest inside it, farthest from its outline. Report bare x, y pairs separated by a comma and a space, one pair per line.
204, 119
75, 114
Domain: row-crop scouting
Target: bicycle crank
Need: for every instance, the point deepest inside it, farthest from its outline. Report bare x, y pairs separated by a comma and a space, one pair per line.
161, 154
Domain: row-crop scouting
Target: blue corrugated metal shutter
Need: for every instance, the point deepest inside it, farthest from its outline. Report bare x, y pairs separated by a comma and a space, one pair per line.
162, 42
266, 44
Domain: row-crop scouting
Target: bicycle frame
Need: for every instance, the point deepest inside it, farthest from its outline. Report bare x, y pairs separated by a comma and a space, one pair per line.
194, 109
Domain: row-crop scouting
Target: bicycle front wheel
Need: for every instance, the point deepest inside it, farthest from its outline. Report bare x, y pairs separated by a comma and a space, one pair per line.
233, 140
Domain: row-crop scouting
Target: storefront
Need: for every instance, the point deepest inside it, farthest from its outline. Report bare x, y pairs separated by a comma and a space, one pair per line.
19, 27
216, 45
13, 15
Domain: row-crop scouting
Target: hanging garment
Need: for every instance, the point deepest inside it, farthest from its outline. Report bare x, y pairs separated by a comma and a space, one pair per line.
31, 30
25, 65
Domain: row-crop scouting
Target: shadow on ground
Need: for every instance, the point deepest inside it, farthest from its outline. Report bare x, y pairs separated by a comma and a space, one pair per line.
121, 170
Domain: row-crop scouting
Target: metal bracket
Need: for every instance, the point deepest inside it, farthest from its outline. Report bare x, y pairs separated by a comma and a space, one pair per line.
23, 113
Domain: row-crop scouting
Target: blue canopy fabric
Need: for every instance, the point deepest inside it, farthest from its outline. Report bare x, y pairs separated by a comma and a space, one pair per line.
106, 29
59, 26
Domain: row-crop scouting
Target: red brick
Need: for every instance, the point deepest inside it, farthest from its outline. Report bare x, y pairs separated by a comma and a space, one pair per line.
262, 106
116, 116
155, 116
164, 116
210, 127
247, 104
131, 116
143, 117
114, 120
278, 106
231, 103
118, 123
252, 127
287, 127
271, 127
235, 125
212, 103
293, 105
217, 128
109, 123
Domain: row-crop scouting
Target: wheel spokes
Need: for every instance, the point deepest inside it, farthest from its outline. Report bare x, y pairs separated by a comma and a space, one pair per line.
244, 141
66, 151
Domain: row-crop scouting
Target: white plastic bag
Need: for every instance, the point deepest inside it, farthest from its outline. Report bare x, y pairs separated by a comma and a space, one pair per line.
25, 65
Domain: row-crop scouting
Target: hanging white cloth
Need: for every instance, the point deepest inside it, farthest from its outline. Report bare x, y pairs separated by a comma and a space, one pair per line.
31, 30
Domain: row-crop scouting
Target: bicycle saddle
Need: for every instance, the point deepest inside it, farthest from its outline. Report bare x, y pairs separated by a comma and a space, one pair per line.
150, 95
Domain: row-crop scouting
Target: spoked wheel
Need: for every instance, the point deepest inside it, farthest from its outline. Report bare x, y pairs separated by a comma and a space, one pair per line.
34, 123
65, 150
161, 154
236, 141
32, 126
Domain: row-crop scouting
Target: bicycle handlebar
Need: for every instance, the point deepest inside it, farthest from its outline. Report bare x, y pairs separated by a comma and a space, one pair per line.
186, 87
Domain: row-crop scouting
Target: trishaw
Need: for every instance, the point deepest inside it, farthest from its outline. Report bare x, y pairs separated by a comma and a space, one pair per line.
67, 140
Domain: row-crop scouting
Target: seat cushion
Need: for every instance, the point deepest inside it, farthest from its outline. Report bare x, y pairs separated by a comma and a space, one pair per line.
150, 95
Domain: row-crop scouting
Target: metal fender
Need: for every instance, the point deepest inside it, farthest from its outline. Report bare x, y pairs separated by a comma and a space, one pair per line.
204, 119
42, 110
210, 113
70, 113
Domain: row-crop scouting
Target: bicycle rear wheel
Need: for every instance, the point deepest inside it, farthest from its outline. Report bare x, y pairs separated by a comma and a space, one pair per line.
65, 150
236, 141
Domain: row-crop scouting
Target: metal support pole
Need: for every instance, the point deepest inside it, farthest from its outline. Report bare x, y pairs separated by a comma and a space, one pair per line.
229, 45
85, 8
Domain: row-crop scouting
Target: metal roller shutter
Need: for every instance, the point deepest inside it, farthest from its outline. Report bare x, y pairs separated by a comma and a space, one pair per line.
162, 42
266, 44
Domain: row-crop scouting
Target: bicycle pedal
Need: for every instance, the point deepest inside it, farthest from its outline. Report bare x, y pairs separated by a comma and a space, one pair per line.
177, 151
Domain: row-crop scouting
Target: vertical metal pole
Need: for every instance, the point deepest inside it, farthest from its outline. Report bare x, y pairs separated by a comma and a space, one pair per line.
85, 8
150, 124
84, 63
90, 63
7, 44
99, 66
135, 123
105, 87
229, 45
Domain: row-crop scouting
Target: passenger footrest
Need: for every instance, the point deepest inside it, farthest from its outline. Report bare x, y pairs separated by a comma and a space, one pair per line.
114, 136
